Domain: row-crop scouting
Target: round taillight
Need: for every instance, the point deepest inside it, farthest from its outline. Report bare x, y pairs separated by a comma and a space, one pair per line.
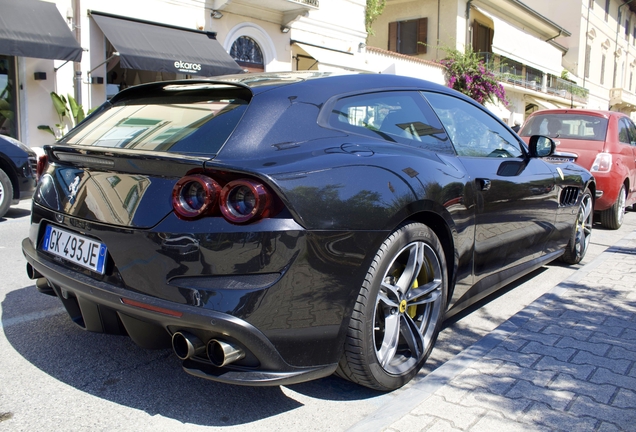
194, 195
244, 200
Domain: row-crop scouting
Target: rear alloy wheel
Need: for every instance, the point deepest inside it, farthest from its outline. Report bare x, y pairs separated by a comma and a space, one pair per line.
6, 193
612, 218
581, 231
399, 310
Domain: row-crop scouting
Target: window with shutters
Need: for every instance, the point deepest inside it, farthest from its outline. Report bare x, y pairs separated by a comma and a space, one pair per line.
602, 69
408, 37
588, 53
482, 38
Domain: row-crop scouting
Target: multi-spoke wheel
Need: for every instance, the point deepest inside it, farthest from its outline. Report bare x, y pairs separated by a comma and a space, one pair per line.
581, 231
612, 218
398, 312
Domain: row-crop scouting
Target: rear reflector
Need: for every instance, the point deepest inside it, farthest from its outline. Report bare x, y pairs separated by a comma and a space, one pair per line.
151, 307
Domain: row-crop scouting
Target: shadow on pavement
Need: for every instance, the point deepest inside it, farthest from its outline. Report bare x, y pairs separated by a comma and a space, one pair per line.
15, 213
115, 369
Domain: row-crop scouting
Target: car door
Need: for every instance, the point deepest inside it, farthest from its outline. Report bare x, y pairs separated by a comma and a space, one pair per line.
631, 198
515, 196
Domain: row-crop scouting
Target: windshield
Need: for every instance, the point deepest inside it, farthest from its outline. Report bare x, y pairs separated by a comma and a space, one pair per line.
570, 126
199, 127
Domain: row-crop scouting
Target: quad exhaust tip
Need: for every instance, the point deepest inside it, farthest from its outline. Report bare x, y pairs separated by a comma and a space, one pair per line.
222, 353
186, 345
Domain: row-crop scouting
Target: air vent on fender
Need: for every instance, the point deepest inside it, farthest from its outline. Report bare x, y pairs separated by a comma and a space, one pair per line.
569, 195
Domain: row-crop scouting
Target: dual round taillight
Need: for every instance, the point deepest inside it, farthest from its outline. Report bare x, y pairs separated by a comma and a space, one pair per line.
195, 195
239, 201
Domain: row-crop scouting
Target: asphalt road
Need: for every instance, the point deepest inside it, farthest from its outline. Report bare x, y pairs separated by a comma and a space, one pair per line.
55, 376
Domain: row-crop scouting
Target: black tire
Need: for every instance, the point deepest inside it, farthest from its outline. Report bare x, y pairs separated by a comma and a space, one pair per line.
612, 218
6, 193
581, 231
398, 312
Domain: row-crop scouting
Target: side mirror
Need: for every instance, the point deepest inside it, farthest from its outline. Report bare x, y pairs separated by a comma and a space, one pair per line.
541, 146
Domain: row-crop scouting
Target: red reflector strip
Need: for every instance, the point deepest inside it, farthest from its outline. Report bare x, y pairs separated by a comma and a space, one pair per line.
151, 308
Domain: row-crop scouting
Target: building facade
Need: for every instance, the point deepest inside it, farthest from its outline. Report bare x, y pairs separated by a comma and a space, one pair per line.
122, 43
602, 49
518, 42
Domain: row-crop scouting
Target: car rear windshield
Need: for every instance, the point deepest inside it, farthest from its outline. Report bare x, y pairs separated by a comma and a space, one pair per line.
571, 126
198, 127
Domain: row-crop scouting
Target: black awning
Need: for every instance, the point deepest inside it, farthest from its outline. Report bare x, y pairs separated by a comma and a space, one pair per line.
155, 47
32, 28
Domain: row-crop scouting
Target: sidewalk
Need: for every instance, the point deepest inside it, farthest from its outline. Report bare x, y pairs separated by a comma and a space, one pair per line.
566, 362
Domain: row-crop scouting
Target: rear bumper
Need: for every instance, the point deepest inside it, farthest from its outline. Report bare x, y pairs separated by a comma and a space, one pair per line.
99, 306
608, 184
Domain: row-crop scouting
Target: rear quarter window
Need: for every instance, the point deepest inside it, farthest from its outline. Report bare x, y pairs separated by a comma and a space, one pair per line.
399, 117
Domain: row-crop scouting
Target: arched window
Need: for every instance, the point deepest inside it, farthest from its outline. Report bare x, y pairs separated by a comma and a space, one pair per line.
246, 52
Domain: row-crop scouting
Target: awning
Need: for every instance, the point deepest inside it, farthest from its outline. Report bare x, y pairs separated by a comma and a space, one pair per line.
155, 47
32, 28
328, 59
515, 44
542, 103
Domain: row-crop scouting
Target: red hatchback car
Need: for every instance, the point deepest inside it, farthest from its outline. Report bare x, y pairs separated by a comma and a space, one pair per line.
604, 142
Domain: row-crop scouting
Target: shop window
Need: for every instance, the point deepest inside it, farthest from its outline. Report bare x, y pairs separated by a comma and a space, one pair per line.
247, 53
408, 37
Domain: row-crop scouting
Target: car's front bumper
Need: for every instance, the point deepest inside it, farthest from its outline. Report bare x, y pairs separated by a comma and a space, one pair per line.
150, 322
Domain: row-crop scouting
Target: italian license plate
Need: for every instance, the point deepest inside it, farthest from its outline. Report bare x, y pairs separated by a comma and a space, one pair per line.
75, 248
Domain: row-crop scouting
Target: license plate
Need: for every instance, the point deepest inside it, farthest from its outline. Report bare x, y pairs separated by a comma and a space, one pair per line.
75, 248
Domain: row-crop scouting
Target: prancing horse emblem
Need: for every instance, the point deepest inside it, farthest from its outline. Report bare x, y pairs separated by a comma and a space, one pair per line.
72, 188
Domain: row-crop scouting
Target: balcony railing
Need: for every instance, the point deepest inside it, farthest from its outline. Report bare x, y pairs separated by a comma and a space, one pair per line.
517, 74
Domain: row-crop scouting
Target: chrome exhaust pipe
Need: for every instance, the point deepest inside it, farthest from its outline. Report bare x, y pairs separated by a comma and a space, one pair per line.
32, 273
222, 353
186, 345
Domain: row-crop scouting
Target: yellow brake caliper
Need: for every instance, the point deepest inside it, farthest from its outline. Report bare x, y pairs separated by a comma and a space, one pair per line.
411, 310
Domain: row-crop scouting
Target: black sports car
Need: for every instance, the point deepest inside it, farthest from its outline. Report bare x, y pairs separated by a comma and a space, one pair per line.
17, 172
278, 228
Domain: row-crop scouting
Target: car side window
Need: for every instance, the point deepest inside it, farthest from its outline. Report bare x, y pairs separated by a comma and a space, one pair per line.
632, 131
399, 116
623, 132
473, 132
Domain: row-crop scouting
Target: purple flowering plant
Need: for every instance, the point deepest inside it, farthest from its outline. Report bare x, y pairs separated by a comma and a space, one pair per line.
468, 74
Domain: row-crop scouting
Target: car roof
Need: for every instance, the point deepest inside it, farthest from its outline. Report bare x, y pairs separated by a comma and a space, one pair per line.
592, 112
256, 83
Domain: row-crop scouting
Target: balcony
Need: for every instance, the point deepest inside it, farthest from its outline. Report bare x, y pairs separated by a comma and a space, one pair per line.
621, 99
520, 75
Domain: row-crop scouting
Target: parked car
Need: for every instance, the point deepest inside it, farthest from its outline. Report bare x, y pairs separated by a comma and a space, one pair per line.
603, 142
277, 228
17, 172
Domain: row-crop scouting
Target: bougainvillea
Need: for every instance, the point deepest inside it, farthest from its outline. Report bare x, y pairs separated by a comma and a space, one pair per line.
468, 74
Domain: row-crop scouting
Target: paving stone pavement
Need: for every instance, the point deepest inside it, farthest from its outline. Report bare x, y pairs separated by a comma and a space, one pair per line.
567, 362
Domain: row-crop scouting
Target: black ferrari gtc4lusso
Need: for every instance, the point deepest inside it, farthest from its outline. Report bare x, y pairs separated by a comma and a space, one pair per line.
278, 228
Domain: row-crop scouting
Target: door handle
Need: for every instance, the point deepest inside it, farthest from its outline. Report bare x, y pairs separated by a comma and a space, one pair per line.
484, 184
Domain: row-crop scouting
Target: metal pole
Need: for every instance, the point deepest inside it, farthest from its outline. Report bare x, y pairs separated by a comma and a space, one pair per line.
77, 66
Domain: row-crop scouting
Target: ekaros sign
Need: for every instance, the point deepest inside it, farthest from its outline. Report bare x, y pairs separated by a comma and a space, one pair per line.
182, 66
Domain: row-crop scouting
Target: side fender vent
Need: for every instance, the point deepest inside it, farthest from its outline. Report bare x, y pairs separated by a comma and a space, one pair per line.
569, 196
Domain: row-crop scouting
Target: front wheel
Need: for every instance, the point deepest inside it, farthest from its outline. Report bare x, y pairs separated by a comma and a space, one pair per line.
398, 312
581, 231
612, 218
